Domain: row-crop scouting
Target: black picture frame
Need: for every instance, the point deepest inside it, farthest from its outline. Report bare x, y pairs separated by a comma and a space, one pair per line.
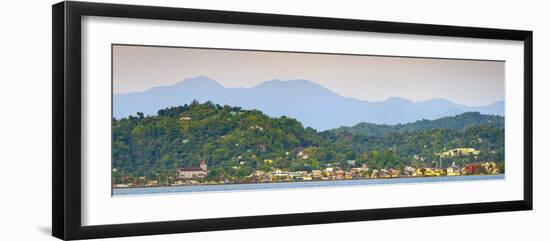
66, 75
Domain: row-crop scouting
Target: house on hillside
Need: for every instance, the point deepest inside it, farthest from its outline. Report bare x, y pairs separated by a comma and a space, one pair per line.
459, 152
193, 172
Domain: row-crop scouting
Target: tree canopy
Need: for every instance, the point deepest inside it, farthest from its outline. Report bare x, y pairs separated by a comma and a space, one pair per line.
234, 142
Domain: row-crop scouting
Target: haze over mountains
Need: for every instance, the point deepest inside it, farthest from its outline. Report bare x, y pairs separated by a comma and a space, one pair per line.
310, 103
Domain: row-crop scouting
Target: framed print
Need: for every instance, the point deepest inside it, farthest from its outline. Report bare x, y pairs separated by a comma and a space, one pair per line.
169, 120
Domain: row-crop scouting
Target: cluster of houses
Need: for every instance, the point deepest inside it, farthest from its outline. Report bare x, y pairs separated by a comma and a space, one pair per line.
196, 175
336, 173
459, 152
184, 176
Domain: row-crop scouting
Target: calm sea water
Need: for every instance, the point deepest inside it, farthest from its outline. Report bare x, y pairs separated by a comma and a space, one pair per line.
285, 185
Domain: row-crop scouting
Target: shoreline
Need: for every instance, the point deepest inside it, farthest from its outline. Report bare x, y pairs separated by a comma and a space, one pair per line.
298, 181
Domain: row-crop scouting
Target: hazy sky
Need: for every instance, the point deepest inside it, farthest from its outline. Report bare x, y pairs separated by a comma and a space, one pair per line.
370, 78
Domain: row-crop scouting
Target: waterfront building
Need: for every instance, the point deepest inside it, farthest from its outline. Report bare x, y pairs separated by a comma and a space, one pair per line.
316, 174
453, 170
490, 167
409, 171
471, 168
193, 172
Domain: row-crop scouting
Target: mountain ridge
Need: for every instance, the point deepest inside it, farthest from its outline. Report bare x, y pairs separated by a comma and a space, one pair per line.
458, 122
313, 104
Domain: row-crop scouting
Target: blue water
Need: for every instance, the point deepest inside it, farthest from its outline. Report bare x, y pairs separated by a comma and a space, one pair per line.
305, 184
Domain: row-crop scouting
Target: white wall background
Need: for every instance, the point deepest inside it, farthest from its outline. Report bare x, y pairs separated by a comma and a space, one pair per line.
25, 118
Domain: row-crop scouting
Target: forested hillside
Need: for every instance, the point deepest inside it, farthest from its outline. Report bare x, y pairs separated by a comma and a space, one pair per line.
459, 122
234, 142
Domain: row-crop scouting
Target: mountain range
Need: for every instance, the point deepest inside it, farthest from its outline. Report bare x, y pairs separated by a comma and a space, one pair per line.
312, 104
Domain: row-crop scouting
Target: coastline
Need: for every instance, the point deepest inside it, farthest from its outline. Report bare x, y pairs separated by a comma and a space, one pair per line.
300, 181
129, 191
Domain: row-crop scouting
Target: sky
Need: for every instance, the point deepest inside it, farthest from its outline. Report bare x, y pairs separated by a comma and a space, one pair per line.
368, 78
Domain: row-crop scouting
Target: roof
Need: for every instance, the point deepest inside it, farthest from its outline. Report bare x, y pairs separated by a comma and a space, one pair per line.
191, 169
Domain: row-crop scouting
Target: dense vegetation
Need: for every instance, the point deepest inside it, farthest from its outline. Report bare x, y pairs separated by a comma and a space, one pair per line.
459, 122
235, 142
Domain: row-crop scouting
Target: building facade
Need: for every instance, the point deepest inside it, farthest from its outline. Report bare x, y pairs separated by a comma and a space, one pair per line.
193, 172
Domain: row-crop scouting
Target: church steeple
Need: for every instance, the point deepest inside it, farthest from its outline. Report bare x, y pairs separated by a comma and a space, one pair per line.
203, 165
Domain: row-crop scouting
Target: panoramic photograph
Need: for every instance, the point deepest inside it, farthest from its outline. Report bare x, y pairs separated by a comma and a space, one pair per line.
187, 120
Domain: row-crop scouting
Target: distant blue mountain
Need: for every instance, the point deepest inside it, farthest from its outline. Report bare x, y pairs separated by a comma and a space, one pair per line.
308, 102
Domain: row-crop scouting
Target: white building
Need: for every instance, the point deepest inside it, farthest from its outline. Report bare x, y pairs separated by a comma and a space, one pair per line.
193, 172
453, 170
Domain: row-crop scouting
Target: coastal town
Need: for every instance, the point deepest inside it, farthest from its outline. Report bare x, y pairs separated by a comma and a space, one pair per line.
199, 175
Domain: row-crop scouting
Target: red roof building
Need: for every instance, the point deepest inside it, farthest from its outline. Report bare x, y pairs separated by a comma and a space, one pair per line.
471, 168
